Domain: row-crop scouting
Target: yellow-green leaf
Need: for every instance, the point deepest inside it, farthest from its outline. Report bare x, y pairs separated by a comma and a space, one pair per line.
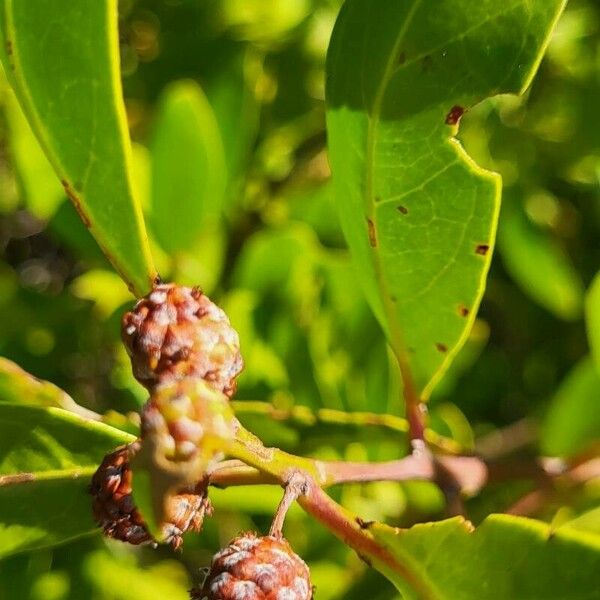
62, 61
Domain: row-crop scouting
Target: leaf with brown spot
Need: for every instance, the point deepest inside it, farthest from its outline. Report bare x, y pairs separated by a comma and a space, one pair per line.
391, 149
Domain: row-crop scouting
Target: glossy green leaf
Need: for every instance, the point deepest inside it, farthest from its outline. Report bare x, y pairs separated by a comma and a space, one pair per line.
47, 456
505, 558
592, 318
188, 168
418, 214
538, 265
573, 418
62, 61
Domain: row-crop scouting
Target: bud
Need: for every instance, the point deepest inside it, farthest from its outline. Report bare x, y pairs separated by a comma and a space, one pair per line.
256, 568
115, 511
189, 420
177, 332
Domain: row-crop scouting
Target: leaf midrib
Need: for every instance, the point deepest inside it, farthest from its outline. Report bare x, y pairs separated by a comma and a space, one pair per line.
395, 334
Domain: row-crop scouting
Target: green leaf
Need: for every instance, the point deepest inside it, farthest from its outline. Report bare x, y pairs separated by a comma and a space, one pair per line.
418, 214
121, 578
588, 522
538, 265
504, 558
104, 288
573, 419
47, 456
188, 168
42, 191
62, 61
236, 108
592, 318
19, 387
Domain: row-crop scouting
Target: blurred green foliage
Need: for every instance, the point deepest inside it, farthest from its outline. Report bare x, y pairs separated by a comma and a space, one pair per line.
272, 254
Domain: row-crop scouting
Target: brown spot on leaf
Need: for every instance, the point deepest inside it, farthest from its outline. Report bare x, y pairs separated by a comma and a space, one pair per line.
463, 311
453, 117
401, 59
76, 202
402, 209
364, 524
441, 347
9, 48
482, 249
372, 233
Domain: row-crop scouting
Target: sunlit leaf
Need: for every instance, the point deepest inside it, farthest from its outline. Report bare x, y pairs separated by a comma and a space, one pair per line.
418, 214
504, 558
41, 189
47, 456
62, 61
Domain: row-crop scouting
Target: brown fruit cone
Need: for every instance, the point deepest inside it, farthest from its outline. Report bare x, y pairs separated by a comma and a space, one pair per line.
116, 513
177, 332
256, 568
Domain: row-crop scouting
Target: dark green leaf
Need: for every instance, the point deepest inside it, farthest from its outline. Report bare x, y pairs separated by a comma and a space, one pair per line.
418, 213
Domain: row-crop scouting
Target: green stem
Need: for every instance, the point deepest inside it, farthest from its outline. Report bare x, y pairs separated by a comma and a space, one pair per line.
303, 415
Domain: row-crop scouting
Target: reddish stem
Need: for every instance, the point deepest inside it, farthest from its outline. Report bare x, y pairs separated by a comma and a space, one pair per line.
355, 533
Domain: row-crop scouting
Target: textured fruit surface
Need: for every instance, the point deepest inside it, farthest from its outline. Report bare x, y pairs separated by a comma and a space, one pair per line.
190, 420
115, 511
177, 332
256, 568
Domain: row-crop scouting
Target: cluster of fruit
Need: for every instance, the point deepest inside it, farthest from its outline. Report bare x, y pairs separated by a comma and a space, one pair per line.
185, 352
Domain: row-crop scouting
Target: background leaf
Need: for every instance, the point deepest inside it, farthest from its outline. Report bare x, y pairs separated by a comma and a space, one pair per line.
504, 558
418, 214
592, 318
188, 168
573, 419
62, 61
47, 456
41, 189
538, 264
